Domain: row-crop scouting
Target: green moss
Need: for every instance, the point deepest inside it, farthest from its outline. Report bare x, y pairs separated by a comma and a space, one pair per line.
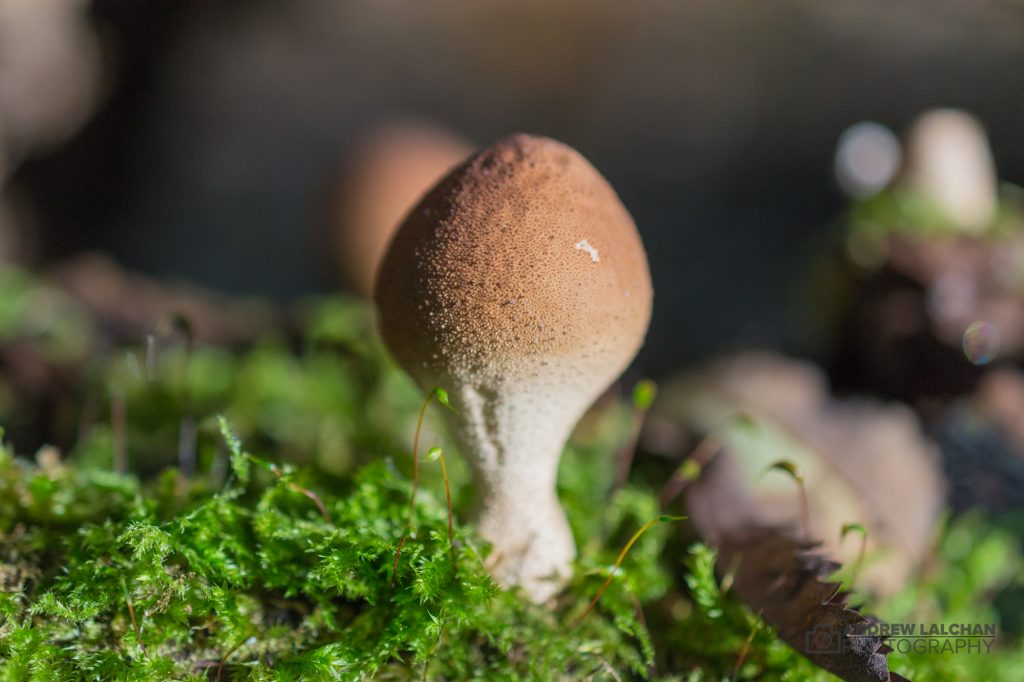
251, 574
234, 571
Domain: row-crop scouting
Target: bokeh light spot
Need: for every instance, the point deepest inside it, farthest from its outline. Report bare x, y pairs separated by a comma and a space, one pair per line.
981, 342
867, 157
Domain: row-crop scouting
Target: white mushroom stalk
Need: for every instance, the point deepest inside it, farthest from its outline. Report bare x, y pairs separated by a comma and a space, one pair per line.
521, 286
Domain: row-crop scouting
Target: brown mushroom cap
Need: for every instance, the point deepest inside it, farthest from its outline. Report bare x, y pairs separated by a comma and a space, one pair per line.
519, 284
390, 171
50, 72
521, 259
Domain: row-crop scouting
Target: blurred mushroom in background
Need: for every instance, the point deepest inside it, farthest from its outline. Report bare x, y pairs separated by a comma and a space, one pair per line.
862, 461
931, 272
49, 86
49, 72
390, 170
949, 163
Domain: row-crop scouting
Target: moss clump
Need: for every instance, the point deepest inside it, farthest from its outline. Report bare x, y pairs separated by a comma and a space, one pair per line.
104, 578
206, 558
232, 571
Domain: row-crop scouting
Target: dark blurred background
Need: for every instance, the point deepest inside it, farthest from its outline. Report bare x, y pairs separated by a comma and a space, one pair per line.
212, 131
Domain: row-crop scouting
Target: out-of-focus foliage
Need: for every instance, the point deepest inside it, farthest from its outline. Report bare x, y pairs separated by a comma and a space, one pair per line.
900, 211
872, 221
43, 317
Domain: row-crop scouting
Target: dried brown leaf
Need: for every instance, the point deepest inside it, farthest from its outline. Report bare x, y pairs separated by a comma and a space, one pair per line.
783, 577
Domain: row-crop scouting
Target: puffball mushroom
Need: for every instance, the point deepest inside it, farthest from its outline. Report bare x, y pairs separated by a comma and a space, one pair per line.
948, 161
391, 169
50, 72
520, 285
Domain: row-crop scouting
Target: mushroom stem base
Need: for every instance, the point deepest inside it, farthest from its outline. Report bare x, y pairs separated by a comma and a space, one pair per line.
531, 540
514, 440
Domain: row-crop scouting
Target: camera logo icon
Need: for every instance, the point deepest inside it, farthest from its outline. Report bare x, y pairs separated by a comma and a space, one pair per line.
824, 639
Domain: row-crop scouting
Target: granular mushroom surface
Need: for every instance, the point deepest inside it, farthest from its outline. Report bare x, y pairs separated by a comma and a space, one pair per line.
520, 285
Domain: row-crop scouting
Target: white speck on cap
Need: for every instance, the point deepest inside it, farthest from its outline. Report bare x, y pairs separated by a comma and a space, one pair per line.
584, 245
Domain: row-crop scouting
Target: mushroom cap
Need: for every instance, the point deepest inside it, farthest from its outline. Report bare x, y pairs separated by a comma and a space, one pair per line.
948, 160
391, 169
50, 71
521, 265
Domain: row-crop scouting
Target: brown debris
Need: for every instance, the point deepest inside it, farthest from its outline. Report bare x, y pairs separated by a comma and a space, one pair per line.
863, 462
